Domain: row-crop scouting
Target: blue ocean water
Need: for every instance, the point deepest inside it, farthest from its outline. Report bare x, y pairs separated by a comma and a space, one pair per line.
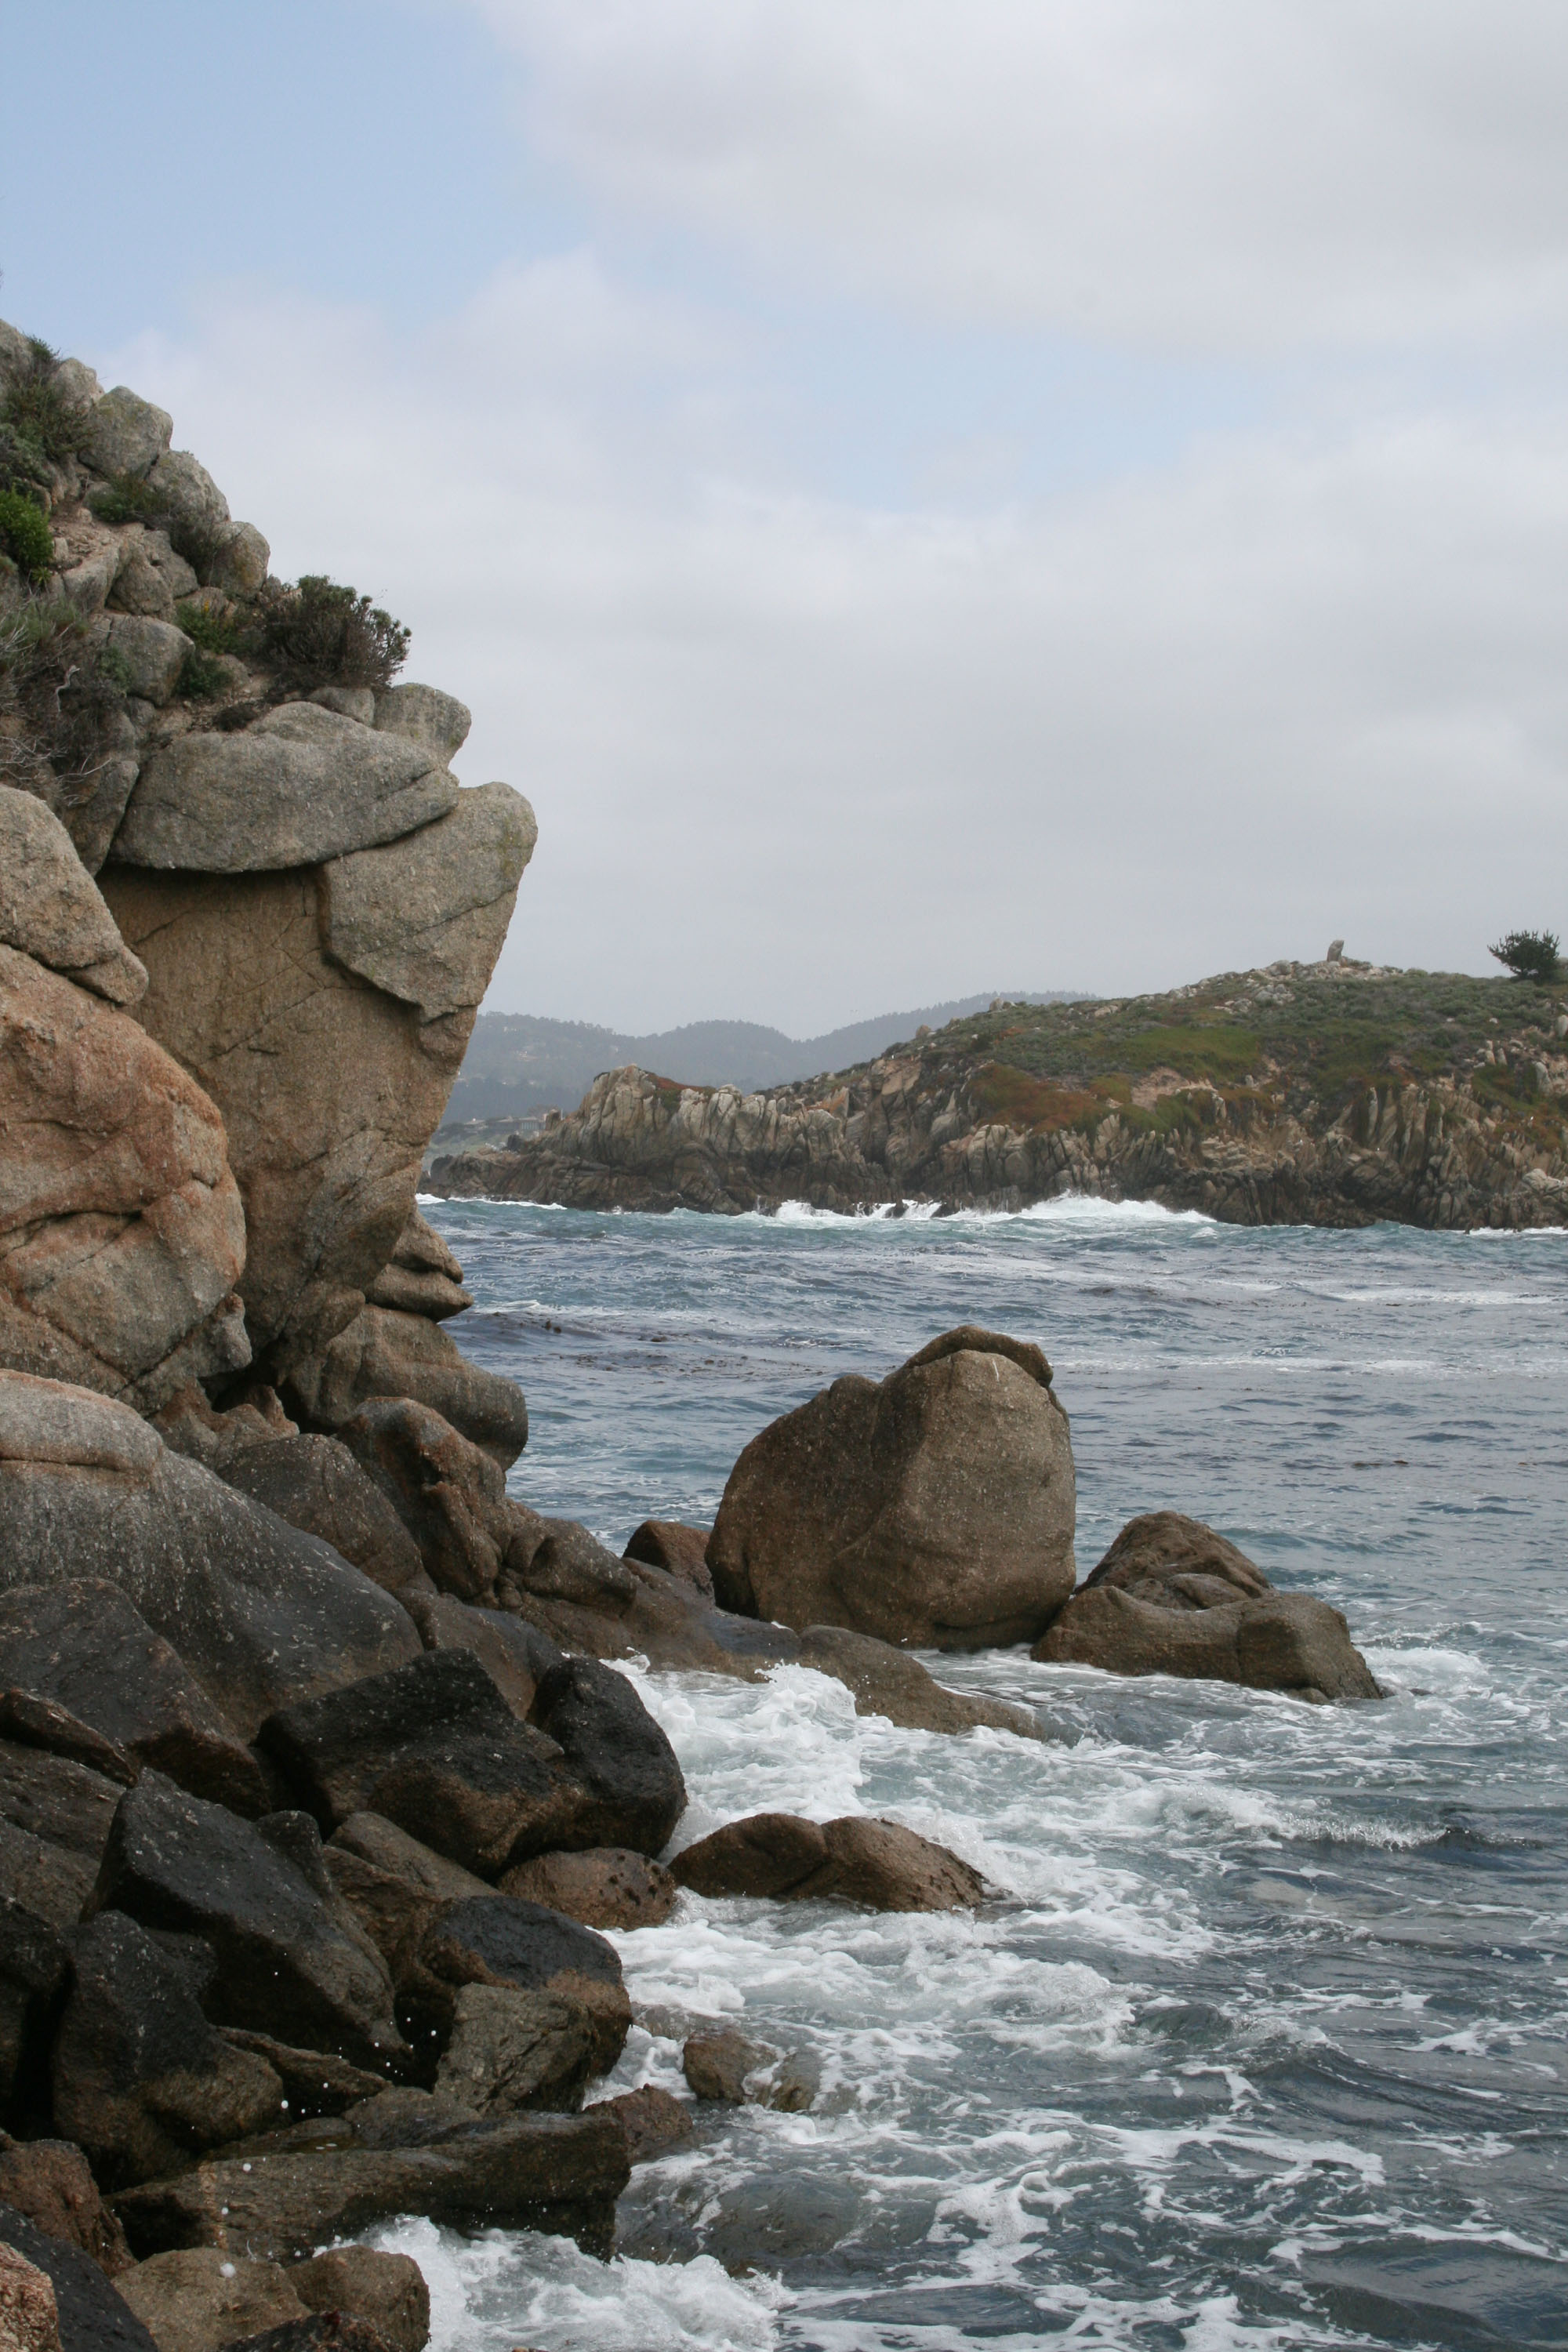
1263, 2043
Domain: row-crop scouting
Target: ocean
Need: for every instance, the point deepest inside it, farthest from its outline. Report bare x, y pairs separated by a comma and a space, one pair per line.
1261, 2044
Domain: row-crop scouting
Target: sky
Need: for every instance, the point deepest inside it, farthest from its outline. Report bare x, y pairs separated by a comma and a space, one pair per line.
922, 497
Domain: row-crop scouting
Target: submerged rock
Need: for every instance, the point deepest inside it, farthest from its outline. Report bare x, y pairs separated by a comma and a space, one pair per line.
1172, 1597
935, 1508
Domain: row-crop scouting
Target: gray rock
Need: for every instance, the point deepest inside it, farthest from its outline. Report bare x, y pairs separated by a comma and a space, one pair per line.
153, 652
512, 2050
515, 1655
889, 1682
190, 496
238, 560
141, 2080
64, 1810
77, 382
561, 1561
621, 1755
140, 585
383, 1353
425, 714
50, 907
316, 1485
355, 702
449, 1493
291, 1961
125, 434
423, 918
260, 1612
497, 1940
83, 1644
302, 786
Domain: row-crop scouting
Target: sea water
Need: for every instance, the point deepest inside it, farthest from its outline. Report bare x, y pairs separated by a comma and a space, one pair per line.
1261, 2043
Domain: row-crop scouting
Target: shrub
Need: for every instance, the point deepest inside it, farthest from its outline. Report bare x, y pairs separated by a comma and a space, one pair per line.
321, 634
1530, 955
214, 632
62, 702
25, 534
125, 499
37, 413
203, 677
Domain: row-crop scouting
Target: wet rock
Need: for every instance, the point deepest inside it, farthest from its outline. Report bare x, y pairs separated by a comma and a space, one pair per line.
29, 2321
889, 1682
54, 1820
33, 1969
85, 1646
27, 1719
933, 1508
50, 907
852, 1860
561, 2173
435, 1749
92, 2317
608, 1886
495, 1940
1172, 1597
682, 1550
666, 1622
314, 1483
388, 2290
654, 2121
299, 786
49, 2181
514, 1654
291, 1961
141, 2080
560, 1559
511, 2050
635, 1792
449, 1493
315, 2082
716, 2065
195, 2300
318, 2331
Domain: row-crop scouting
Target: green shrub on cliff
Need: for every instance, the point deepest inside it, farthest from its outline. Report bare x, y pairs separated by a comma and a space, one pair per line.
322, 634
124, 499
35, 412
25, 534
61, 700
216, 631
1530, 955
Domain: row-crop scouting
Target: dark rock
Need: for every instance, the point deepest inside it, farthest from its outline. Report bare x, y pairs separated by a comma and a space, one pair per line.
388, 2290
560, 1559
514, 1654
666, 1623
716, 2065
682, 1550
314, 1483
495, 1940
33, 1977
49, 2181
141, 2080
1172, 1597
261, 1613
449, 1493
851, 1860
617, 1750
54, 1819
92, 2317
608, 1886
435, 1747
318, 2331
935, 1508
86, 1646
654, 2121
195, 2300
27, 1719
29, 2317
889, 1682
512, 2050
291, 1960
315, 2082
550, 2172
385, 1353
394, 1885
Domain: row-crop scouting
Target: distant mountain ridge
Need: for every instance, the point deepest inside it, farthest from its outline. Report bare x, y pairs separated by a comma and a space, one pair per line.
520, 1063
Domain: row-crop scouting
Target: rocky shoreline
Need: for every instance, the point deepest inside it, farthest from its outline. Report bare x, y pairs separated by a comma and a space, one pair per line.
1330, 1094
319, 1787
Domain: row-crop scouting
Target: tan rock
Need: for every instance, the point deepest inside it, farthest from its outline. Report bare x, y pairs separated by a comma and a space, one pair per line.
606, 1886
50, 2182
51, 909
383, 1353
388, 2290
29, 2321
933, 1508
200, 2297
851, 1860
121, 1233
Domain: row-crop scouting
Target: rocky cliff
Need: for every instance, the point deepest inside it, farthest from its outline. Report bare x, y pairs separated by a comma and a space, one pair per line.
1334, 1094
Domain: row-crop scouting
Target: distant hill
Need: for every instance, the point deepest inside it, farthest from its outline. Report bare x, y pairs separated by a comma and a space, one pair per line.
519, 1063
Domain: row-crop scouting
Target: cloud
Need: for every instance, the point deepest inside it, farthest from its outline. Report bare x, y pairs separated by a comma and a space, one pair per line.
1217, 178
801, 759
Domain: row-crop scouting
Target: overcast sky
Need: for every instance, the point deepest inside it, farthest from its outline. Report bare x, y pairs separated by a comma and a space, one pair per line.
923, 495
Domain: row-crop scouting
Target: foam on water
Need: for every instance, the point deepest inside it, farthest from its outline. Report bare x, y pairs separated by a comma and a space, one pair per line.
1259, 2044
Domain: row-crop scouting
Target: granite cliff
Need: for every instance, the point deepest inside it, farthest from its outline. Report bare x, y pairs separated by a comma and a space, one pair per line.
1334, 1094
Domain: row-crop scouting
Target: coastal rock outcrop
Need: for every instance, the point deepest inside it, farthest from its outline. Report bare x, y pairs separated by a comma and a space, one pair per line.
1172, 1597
935, 1508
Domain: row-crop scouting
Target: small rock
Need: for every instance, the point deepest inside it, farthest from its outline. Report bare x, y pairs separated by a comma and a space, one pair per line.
200, 2298
27, 1719
388, 2290
608, 1886
237, 559
683, 1550
851, 1860
318, 2331
889, 1682
33, 1969
655, 2121
716, 2065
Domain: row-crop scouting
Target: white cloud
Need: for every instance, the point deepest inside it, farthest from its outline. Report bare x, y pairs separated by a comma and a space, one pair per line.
801, 759
1217, 176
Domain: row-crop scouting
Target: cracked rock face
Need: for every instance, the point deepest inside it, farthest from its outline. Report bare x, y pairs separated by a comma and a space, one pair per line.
51, 909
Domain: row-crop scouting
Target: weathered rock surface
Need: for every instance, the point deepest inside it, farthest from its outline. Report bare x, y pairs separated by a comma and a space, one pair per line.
561, 1560
511, 2051
653, 2120
121, 1233
423, 1276
260, 1613
29, 1720
514, 1654
124, 433
448, 1493
889, 1682
86, 1645
51, 909
550, 2172
50, 2180
197, 2299
153, 652
29, 2321
388, 2290
92, 2317
299, 786
384, 1352
852, 1860
935, 1508
33, 1973
608, 1886
141, 2079
682, 1550
424, 715
433, 1747
621, 1755
291, 1961
395, 1885
315, 2082
494, 1939
54, 1820
315, 1484
1172, 1597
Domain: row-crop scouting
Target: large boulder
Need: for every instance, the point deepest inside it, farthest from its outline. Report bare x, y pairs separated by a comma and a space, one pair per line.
291, 1960
86, 1645
495, 1940
1172, 1597
52, 909
387, 1352
935, 1508
299, 786
260, 1613
635, 1793
121, 1233
852, 1860
316, 1485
